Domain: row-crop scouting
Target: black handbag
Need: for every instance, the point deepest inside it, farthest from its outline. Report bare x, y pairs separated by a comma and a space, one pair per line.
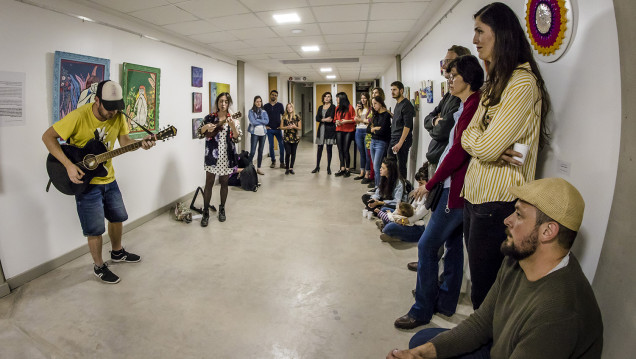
434, 196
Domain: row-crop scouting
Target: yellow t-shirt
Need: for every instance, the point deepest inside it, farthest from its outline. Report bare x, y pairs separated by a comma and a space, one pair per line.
81, 125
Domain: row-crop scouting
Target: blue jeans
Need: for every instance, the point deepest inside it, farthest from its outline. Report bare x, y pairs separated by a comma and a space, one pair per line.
404, 233
361, 133
279, 137
378, 150
260, 140
445, 226
98, 202
425, 335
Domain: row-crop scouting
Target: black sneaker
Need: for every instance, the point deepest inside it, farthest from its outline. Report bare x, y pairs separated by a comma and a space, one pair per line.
371, 184
339, 173
206, 218
272, 165
105, 275
347, 173
221, 213
366, 181
292, 172
123, 256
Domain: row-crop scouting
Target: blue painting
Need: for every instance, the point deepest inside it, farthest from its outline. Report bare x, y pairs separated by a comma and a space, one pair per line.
197, 76
75, 80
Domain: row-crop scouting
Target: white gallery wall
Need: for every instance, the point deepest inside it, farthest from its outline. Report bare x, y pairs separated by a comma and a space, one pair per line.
584, 85
35, 226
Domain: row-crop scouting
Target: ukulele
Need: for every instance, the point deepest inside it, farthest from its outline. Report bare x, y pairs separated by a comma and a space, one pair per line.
90, 159
219, 125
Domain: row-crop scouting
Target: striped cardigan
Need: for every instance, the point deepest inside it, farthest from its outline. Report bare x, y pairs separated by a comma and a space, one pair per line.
516, 118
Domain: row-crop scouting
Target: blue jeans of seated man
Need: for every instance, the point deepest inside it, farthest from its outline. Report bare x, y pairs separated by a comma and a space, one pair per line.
254, 140
361, 133
444, 227
378, 150
403, 233
279, 137
425, 335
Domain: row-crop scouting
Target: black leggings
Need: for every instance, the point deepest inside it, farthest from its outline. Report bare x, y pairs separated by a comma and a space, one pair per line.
343, 140
207, 192
290, 151
319, 155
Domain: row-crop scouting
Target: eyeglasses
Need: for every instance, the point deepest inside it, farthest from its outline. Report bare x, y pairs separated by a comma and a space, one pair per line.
452, 76
443, 62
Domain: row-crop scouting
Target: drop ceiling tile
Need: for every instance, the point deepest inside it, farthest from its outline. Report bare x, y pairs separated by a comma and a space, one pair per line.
305, 14
248, 51
277, 50
244, 34
304, 40
389, 46
397, 11
254, 57
260, 5
258, 42
244, 21
343, 27
192, 27
379, 52
307, 30
346, 53
213, 37
284, 56
349, 13
346, 47
130, 6
390, 25
164, 15
335, 2
211, 9
345, 38
388, 37
230, 46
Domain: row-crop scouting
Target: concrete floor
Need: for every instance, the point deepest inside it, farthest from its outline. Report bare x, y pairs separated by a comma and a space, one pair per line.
294, 272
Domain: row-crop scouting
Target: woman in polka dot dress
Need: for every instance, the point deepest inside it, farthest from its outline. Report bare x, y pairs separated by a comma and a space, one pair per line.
220, 152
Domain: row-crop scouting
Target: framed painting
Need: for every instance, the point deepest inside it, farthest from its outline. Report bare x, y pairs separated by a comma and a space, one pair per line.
75, 80
141, 97
197, 76
196, 123
217, 88
197, 102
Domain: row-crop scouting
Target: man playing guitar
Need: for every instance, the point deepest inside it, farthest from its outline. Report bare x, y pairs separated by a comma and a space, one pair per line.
100, 120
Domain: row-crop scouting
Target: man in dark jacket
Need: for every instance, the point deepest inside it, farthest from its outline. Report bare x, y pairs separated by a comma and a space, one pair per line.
440, 121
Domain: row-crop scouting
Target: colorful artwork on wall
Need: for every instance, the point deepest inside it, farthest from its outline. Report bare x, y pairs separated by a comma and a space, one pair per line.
196, 123
141, 95
197, 102
217, 88
549, 25
75, 80
444, 88
197, 76
429, 91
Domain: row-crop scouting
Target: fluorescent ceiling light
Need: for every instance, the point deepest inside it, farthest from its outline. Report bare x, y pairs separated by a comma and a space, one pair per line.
84, 18
296, 31
331, 76
325, 69
151, 38
286, 18
312, 48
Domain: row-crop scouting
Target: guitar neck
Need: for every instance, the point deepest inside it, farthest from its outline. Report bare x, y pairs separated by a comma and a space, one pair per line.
103, 157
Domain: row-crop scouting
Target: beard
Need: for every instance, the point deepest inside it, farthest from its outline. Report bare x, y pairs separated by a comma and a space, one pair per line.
528, 246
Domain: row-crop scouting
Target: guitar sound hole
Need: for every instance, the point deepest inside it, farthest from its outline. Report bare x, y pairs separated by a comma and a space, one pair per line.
90, 162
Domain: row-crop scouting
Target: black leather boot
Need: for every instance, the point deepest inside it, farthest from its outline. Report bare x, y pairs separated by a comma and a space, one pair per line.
221, 213
206, 218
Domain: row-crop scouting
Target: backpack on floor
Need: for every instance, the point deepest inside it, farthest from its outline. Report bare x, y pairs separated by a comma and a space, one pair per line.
249, 178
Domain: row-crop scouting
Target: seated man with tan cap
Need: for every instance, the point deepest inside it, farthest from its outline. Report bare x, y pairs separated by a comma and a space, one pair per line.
541, 305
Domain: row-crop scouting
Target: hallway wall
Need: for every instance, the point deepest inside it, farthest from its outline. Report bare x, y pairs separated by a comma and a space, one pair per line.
38, 226
584, 86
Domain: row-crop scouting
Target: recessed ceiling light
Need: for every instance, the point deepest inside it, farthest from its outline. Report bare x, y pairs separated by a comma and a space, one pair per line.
313, 48
286, 18
331, 77
325, 69
296, 31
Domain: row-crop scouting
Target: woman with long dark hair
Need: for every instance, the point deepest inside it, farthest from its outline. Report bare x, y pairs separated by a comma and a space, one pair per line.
380, 134
220, 152
345, 132
258, 131
445, 225
290, 126
513, 110
362, 110
391, 189
325, 130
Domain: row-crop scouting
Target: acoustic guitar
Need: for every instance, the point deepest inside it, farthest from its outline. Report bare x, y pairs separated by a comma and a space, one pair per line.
90, 159
219, 124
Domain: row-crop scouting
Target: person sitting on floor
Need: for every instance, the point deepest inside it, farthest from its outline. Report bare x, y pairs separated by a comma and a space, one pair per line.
391, 188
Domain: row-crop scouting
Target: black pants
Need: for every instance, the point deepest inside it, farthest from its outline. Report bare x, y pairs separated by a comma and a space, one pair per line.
402, 156
484, 231
319, 155
343, 140
290, 154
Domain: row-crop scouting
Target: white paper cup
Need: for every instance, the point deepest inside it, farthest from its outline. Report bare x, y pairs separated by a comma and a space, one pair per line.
523, 149
364, 212
370, 215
